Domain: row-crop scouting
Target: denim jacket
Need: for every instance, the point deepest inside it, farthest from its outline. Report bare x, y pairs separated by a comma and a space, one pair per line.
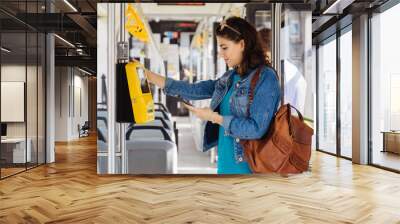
241, 124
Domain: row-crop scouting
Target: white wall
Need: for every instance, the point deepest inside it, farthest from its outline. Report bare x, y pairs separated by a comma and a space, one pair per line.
16, 73
61, 103
71, 87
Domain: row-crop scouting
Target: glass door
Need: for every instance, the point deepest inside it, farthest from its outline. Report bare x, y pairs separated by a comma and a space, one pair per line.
22, 68
296, 58
260, 15
286, 33
15, 151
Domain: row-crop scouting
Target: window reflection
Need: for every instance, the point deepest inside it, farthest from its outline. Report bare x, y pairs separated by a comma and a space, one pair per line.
327, 97
346, 94
385, 84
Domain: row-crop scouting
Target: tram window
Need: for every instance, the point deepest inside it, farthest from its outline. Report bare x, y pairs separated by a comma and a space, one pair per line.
263, 19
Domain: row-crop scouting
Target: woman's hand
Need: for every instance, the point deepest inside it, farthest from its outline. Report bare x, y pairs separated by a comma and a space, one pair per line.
205, 113
154, 78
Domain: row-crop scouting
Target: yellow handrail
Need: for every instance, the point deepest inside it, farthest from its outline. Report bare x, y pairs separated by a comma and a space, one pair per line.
135, 25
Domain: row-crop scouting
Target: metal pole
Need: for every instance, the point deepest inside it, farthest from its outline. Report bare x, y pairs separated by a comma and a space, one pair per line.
111, 89
276, 30
124, 159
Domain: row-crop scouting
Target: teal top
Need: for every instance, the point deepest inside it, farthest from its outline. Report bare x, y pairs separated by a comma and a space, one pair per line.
226, 159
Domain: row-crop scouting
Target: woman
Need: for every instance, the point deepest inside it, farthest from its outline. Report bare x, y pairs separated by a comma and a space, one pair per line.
228, 119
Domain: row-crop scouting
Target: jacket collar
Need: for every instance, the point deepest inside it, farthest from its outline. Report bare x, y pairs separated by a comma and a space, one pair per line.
249, 74
227, 79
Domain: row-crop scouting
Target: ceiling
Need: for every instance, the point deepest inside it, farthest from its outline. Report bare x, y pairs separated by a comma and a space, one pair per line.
72, 20
76, 21
330, 17
154, 11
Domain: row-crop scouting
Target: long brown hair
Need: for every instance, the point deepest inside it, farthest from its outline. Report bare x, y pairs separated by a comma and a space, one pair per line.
236, 29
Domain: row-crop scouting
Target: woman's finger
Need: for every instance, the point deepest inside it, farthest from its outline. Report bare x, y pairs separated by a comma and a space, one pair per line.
146, 73
189, 107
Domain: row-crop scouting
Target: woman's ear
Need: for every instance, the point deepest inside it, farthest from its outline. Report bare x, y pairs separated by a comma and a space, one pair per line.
241, 42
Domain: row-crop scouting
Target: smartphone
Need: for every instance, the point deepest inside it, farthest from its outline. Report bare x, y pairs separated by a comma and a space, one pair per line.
183, 101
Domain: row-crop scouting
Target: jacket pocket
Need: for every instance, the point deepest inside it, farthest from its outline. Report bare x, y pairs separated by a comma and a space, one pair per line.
241, 101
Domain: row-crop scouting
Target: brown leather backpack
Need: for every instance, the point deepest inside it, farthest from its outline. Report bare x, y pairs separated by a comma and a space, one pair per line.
285, 148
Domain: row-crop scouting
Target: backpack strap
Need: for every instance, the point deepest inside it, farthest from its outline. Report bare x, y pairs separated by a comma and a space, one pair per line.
253, 84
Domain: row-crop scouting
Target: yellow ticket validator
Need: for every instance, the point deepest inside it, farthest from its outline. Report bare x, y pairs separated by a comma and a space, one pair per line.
139, 91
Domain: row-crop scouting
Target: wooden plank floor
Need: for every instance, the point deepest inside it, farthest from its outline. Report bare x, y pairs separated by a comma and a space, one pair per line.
70, 191
10, 171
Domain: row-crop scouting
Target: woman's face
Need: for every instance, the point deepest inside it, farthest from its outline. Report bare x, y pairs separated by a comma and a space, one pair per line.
230, 51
